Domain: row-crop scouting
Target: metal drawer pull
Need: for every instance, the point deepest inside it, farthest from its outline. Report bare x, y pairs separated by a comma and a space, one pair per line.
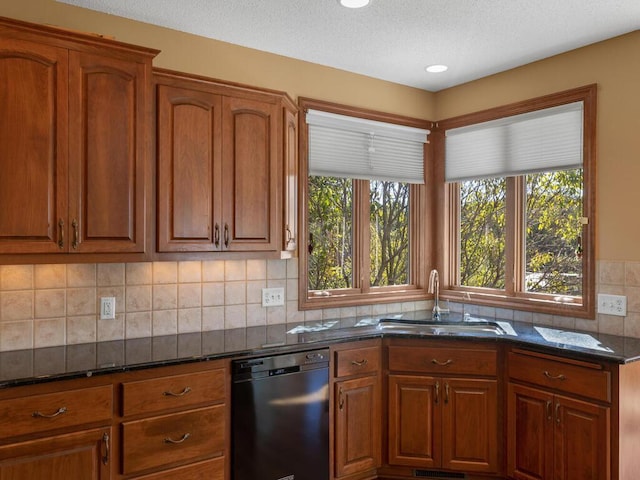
558, 413
359, 363
175, 442
180, 394
446, 392
341, 398
554, 377
437, 399
105, 442
226, 235
60, 411
442, 364
549, 410
216, 235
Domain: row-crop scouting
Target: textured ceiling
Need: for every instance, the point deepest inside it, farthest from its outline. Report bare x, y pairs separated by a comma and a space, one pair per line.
395, 40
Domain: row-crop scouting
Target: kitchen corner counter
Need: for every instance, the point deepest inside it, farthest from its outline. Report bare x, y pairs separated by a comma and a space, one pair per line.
23, 367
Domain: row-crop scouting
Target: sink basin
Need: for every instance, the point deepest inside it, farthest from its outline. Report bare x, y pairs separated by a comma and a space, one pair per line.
476, 327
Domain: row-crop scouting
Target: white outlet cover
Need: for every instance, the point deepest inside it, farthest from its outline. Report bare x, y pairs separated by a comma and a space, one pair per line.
612, 304
272, 297
107, 308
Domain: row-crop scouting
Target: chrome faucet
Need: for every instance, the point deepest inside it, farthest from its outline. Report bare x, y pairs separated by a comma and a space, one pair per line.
434, 287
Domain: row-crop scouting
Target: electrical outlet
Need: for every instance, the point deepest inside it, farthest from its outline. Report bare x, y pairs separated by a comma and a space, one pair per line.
107, 308
612, 304
272, 297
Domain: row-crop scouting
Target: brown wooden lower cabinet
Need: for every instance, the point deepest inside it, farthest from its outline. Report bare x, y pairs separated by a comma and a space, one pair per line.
448, 423
80, 455
556, 437
356, 410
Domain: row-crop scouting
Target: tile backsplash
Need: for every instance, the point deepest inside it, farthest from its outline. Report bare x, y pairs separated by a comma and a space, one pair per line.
50, 305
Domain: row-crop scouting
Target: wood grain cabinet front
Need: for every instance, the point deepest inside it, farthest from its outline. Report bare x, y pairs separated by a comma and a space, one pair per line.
442, 406
73, 142
57, 432
227, 167
558, 418
357, 410
175, 422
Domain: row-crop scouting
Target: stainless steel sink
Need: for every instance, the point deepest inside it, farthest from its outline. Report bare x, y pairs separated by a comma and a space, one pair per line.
475, 327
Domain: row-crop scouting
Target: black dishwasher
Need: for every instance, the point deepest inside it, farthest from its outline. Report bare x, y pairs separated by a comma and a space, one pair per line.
280, 417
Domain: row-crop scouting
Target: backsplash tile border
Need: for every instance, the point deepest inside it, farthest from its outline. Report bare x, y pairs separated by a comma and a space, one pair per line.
52, 305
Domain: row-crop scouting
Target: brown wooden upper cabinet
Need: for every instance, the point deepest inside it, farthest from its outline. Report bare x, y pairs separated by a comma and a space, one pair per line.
223, 153
73, 141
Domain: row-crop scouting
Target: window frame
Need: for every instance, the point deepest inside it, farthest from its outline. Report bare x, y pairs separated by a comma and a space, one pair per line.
447, 223
420, 205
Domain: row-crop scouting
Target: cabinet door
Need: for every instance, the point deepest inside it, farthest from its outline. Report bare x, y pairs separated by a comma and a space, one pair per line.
108, 148
33, 147
530, 424
470, 425
189, 148
357, 432
251, 175
414, 421
581, 440
83, 455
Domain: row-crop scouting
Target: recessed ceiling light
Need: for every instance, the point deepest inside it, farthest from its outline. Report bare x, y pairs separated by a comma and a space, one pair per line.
437, 68
354, 3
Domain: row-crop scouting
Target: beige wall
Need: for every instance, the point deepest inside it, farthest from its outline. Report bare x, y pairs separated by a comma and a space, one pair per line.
193, 54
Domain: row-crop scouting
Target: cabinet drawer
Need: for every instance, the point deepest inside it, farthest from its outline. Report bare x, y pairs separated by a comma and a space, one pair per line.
357, 361
49, 411
577, 378
178, 391
172, 439
207, 470
447, 360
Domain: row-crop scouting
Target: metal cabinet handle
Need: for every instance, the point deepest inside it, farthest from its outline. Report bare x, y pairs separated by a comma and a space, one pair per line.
560, 377
442, 364
184, 391
105, 443
340, 398
360, 363
60, 411
175, 442
216, 235
76, 240
226, 235
61, 232
290, 241
549, 410
558, 413
446, 392
437, 399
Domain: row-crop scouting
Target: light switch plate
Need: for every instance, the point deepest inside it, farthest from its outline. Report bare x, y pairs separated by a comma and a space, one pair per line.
272, 297
612, 304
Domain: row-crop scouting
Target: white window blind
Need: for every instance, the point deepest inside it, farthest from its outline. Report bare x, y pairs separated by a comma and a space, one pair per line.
544, 140
351, 147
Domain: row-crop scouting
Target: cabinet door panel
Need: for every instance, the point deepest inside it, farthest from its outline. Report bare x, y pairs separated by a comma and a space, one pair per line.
107, 139
529, 433
33, 147
250, 175
414, 421
357, 433
83, 455
470, 425
189, 150
581, 440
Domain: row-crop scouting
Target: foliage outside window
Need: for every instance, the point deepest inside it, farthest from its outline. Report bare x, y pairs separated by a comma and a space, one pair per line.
525, 239
365, 235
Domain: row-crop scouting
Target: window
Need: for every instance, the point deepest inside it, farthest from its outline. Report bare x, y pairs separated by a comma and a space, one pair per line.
364, 206
519, 201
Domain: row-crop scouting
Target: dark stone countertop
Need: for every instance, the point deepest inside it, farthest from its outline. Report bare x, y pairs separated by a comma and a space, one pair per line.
24, 367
